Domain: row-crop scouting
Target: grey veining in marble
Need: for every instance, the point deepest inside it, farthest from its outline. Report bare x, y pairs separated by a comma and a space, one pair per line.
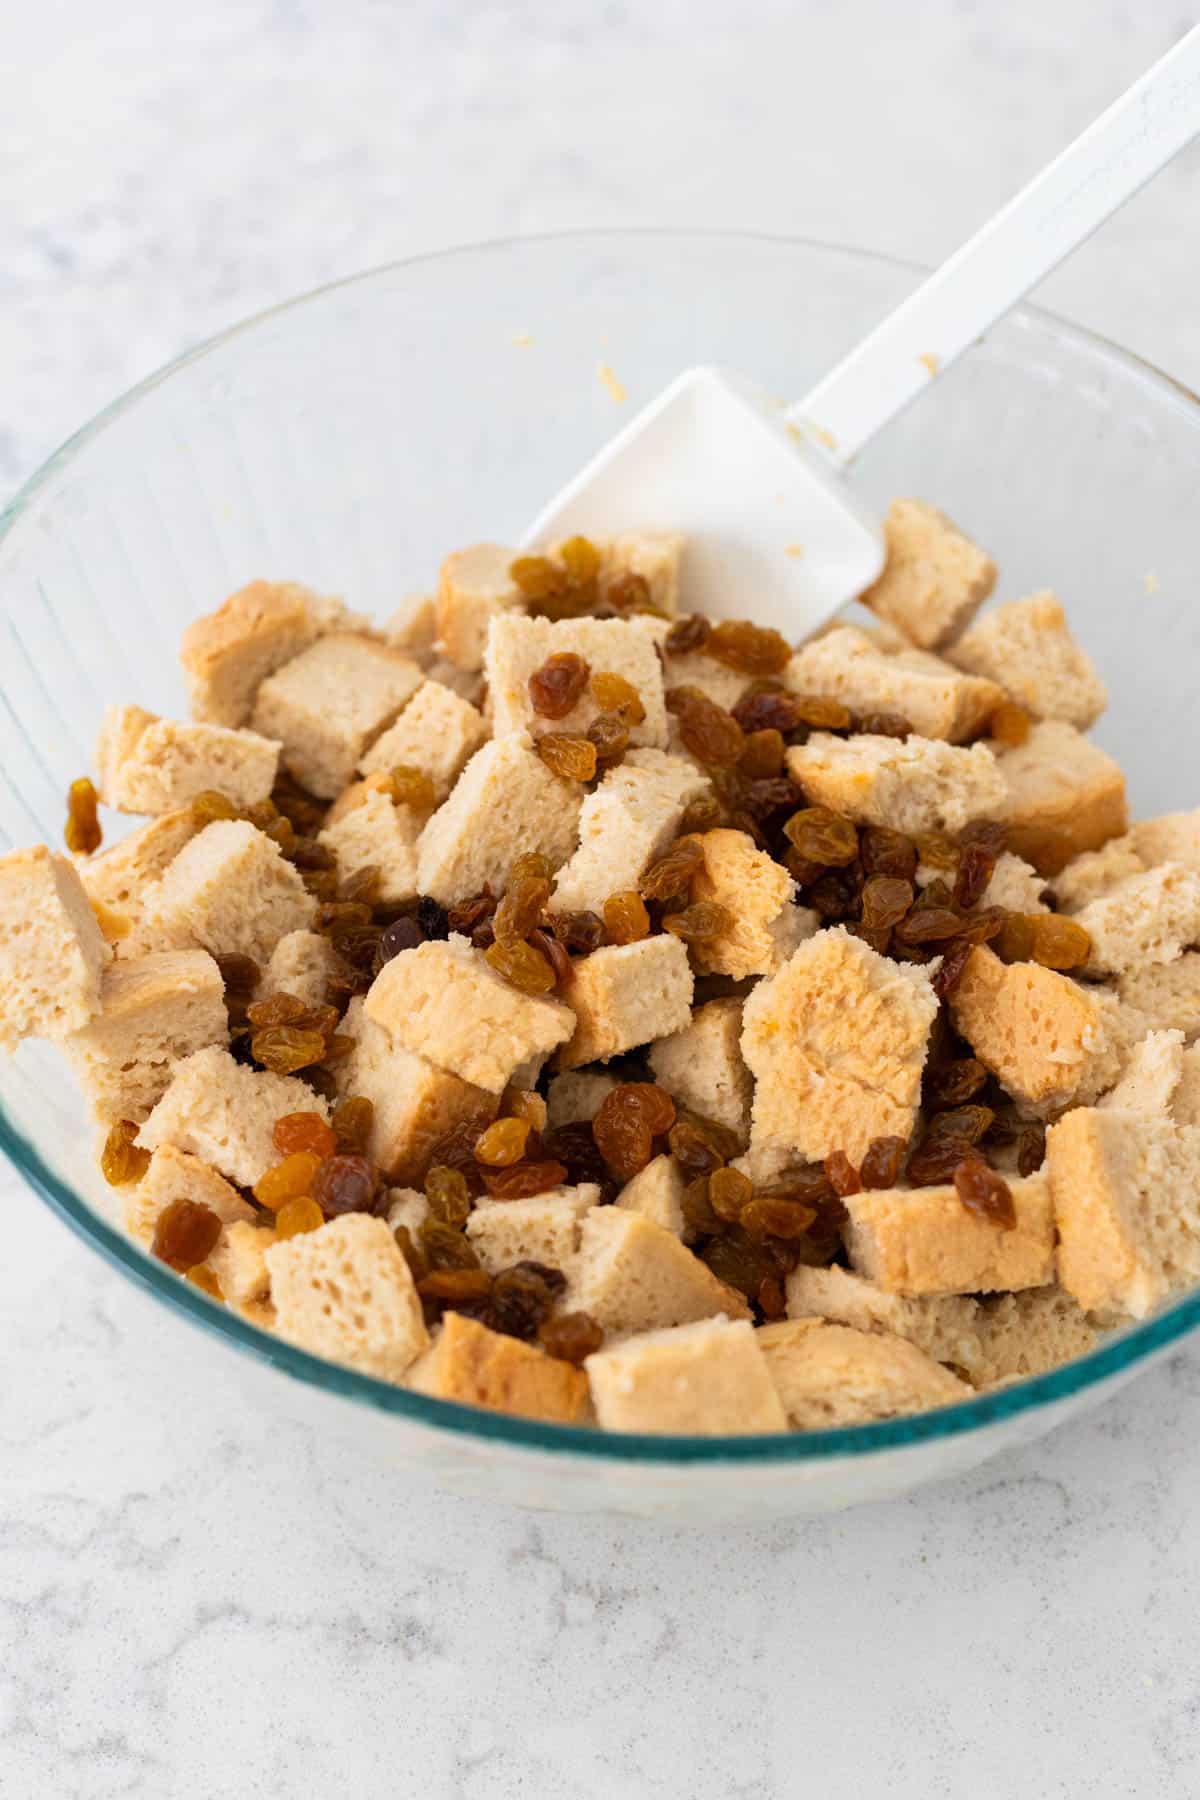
198, 1599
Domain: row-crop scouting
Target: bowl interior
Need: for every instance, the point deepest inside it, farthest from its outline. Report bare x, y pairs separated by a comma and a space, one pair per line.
350, 439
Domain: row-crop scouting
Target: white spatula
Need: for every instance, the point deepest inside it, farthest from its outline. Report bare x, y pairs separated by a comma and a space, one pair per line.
750, 483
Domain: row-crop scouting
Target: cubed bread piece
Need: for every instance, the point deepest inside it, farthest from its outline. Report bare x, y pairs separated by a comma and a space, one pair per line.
912, 784
224, 1112
445, 1002
120, 877
330, 703
1127, 1207
1064, 795
996, 1339
934, 580
694, 668
1051, 1042
754, 889
702, 1068
1027, 646
938, 700
227, 653
154, 1011
788, 930
408, 1207
1145, 919
229, 891
474, 587
1185, 1100
469, 685
1167, 995
625, 823
925, 1241
145, 764
1150, 1077
1172, 837
836, 1042
239, 1262
1095, 873
415, 1104
633, 1275
356, 795
543, 1228
627, 994
517, 646
505, 804
174, 1175
656, 1192
654, 555
345, 1292
478, 1367
1015, 885
576, 1094
437, 732
52, 951
377, 834
708, 1378
413, 626
301, 964
829, 1375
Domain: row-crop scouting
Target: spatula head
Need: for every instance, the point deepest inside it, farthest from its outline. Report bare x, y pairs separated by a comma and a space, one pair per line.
773, 531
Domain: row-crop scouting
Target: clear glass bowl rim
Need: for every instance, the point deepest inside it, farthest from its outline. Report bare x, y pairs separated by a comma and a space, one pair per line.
1073, 1379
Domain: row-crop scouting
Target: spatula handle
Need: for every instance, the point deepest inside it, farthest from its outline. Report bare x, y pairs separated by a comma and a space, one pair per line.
1059, 208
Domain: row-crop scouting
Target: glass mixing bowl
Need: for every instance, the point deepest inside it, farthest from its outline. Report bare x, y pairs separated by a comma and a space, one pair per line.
352, 437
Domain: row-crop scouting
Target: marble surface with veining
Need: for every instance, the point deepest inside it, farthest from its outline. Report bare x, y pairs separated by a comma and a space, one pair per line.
197, 1596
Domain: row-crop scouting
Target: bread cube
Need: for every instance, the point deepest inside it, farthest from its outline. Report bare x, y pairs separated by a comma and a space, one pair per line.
925, 1241
224, 1113
330, 703
1145, 919
517, 646
119, 878
239, 1262
1185, 1099
654, 555
413, 627
695, 668
1127, 1207
478, 1367
474, 587
1095, 873
576, 1094
938, 700
1050, 1041
627, 994
415, 1104
1172, 837
301, 964
633, 1275
1150, 1077
345, 1292
913, 784
755, 890
1064, 796
1167, 995
377, 834
708, 1379
174, 1175
227, 653
1015, 885
145, 764
1027, 646
935, 579
626, 823
154, 1011
408, 1207
788, 930
836, 1042
830, 1375
445, 1002
52, 951
656, 1192
701, 1067
437, 732
505, 804
985, 1341
543, 1228
229, 891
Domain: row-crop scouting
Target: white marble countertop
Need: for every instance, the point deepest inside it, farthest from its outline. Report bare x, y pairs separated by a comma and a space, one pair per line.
197, 1599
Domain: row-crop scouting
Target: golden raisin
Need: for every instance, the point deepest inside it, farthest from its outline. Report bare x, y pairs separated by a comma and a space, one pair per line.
882, 1162
750, 649
821, 713
765, 1216
209, 806
352, 1120
886, 852
885, 900
201, 1276
572, 758
984, 1192
672, 873
121, 1160
581, 560
975, 869
1031, 1149
285, 1048
701, 923
524, 1179
448, 1195
686, 635
1010, 724
712, 735
844, 1178
455, 1286
885, 724
288, 1179
555, 953
298, 1216
627, 1121
609, 734
612, 693
822, 836
626, 920
558, 685
521, 909
570, 1336
413, 787
762, 755
771, 1299
537, 577
937, 850
728, 1192
304, 1131
523, 966
240, 974
362, 885
531, 865
83, 833
628, 592
700, 814
1059, 943
445, 1247
523, 1103
700, 1145
184, 1233
1015, 942
503, 1143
